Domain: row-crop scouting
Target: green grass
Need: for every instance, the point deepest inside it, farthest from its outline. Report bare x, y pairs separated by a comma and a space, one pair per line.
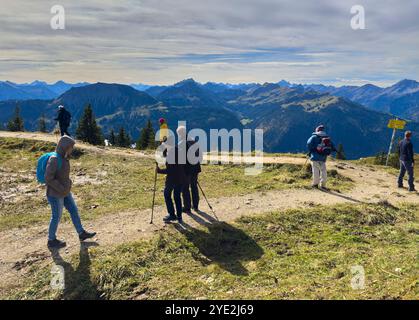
295, 254
106, 184
371, 161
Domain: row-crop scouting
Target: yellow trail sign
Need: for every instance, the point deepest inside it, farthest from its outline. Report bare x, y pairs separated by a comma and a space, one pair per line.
396, 124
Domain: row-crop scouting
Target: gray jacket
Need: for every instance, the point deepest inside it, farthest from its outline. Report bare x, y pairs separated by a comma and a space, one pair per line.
58, 180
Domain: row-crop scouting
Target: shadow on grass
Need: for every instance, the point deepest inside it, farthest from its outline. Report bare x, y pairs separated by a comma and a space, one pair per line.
333, 193
221, 243
78, 285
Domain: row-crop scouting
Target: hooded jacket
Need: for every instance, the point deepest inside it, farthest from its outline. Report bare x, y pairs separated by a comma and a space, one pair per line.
58, 180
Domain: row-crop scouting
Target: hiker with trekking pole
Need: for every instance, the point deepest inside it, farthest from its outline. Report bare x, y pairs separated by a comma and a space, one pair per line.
320, 146
163, 133
193, 156
175, 181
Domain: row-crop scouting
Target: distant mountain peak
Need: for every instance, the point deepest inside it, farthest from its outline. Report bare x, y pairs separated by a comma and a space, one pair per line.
284, 83
38, 83
406, 83
189, 81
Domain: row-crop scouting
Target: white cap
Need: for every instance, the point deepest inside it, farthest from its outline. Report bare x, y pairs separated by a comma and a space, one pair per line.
181, 132
60, 107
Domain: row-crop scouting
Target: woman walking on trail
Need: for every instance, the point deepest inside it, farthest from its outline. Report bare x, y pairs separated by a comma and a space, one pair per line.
58, 182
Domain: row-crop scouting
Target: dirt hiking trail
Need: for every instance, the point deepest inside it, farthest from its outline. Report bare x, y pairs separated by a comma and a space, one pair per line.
23, 247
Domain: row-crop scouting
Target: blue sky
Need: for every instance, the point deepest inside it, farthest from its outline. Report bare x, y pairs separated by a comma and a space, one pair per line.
162, 42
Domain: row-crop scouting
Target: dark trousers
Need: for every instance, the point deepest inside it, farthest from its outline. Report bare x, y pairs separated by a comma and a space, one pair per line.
191, 187
64, 130
406, 166
176, 189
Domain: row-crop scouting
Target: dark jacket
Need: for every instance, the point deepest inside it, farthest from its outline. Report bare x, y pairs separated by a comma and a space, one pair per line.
58, 180
63, 117
175, 172
406, 151
193, 168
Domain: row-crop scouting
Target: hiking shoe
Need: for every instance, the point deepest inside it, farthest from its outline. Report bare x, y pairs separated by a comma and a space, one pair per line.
188, 211
169, 218
56, 244
412, 190
400, 186
324, 188
86, 235
180, 220
314, 186
195, 208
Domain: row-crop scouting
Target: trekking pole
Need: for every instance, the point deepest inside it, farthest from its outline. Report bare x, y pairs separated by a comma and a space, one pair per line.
154, 195
207, 201
56, 133
304, 166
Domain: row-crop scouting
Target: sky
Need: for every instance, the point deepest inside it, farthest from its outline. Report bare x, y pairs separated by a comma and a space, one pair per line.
234, 41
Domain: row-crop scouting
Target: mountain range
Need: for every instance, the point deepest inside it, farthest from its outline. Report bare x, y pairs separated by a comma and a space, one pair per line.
34, 90
288, 113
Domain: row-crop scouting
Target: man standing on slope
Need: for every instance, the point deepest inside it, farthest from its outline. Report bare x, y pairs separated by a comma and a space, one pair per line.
319, 146
57, 179
193, 157
175, 180
407, 161
64, 120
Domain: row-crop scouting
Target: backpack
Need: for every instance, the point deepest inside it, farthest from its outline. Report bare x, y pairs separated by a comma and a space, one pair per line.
325, 147
42, 165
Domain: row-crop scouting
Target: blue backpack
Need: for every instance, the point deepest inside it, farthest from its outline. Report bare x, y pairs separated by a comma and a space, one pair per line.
42, 165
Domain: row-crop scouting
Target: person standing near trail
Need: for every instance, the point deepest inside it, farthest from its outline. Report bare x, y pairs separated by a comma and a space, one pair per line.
57, 179
64, 120
175, 180
320, 147
192, 170
407, 161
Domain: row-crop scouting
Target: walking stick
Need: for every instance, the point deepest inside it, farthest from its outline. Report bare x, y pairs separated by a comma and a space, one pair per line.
213, 212
56, 133
304, 166
154, 195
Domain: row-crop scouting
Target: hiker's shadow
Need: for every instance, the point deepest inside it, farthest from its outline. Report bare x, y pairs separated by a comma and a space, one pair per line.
221, 243
334, 193
77, 282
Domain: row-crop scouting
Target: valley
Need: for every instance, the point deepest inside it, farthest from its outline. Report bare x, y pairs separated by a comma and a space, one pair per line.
287, 114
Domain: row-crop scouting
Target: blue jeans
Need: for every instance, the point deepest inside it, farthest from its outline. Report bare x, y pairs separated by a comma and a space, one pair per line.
406, 166
177, 190
57, 205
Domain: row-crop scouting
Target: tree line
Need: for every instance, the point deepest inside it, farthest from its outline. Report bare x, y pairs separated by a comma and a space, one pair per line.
89, 131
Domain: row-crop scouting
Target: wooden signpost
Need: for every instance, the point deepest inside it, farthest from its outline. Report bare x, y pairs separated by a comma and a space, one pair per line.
394, 124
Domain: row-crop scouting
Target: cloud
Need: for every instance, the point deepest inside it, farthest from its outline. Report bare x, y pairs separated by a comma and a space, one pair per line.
238, 40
